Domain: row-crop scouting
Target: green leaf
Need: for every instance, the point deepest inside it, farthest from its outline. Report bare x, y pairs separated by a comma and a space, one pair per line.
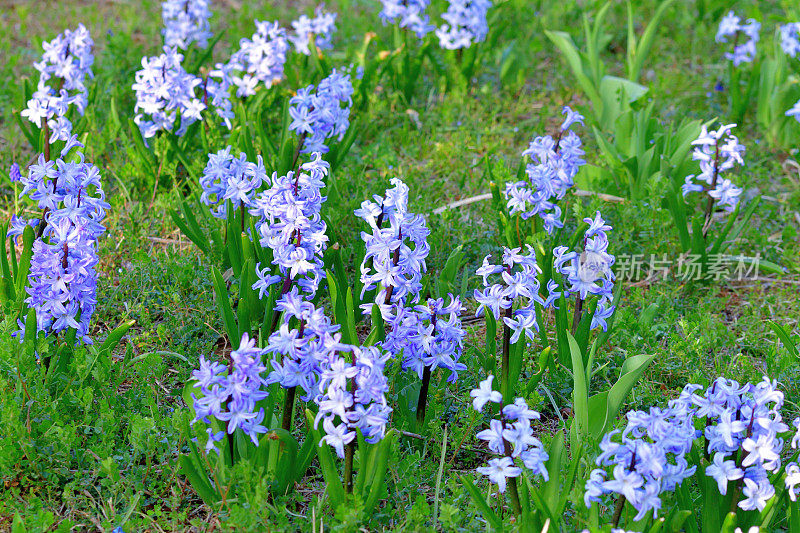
783, 335
477, 498
567, 47
334, 487
631, 371
580, 391
224, 306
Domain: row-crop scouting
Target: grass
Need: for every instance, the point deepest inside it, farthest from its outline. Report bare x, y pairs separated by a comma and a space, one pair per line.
117, 462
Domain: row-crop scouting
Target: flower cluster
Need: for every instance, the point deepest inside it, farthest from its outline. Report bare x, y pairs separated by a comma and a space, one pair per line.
717, 151
65, 65
790, 43
649, 459
743, 425
232, 397
62, 278
465, 24
520, 284
790, 38
299, 353
228, 178
354, 392
290, 224
554, 164
731, 26
320, 114
510, 436
165, 93
259, 59
428, 335
741, 428
186, 22
321, 27
409, 14
590, 271
395, 255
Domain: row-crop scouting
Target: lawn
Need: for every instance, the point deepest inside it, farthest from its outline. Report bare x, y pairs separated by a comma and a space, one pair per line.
420, 300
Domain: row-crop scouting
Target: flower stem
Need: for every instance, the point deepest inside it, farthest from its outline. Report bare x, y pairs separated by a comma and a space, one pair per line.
505, 386
349, 452
618, 510
423, 397
288, 408
576, 318
513, 493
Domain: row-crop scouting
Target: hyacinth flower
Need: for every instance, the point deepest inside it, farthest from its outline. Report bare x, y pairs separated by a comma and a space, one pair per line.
186, 22
290, 224
62, 280
229, 394
645, 460
741, 83
395, 255
731, 27
428, 336
790, 43
299, 352
554, 162
352, 397
166, 95
511, 294
65, 66
407, 14
511, 437
465, 24
589, 273
738, 428
228, 180
321, 113
259, 60
716, 152
320, 28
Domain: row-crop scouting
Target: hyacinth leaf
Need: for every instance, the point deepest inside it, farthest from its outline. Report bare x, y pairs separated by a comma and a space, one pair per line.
333, 483
224, 306
677, 208
567, 47
205, 56
351, 316
728, 239
637, 52
376, 477
23, 266
245, 314
784, 337
7, 282
193, 468
730, 523
305, 455
447, 277
30, 333
282, 458
551, 490
187, 223
580, 392
617, 94
478, 499
632, 369
145, 155
491, 342
378, 332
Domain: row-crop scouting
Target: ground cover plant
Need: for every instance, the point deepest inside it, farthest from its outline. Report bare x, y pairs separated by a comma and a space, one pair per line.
421, 265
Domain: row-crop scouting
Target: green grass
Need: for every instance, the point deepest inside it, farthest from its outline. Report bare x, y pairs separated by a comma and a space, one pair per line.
116, 458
